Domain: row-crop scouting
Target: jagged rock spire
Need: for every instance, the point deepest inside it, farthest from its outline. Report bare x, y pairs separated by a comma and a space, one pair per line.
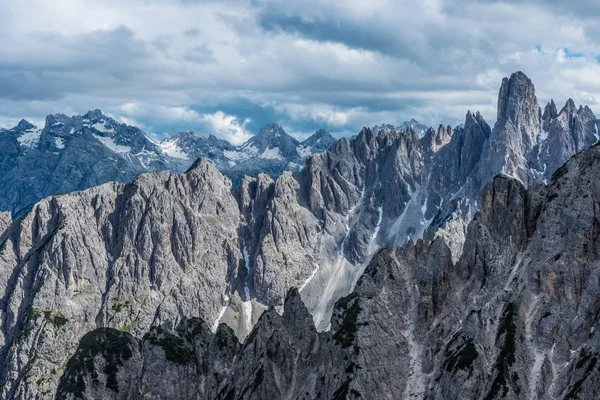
517, 128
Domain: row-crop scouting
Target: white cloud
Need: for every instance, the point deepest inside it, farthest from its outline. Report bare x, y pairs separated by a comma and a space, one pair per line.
319, 113
137, 111
228, 127
220, 124
8, 122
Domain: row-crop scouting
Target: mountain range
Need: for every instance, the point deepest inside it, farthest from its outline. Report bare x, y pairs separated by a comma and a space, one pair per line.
450, 263
75, 153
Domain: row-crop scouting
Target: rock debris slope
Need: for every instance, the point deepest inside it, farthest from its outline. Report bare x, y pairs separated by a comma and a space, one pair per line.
157, 265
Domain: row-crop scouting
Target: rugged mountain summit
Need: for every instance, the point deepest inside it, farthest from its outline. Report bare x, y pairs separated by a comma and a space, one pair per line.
70, 154
184, 147
535, 144
273, 151
167, 249
412, 125
318, 142
514, 317
516, 132
570, 131
75, 153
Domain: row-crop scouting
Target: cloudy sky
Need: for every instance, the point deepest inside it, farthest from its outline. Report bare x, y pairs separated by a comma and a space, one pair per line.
230, 67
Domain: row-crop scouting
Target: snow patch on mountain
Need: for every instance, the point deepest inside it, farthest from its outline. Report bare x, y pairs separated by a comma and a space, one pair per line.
215, 325
59, 143
413, 125
341, 270
172, 149
235, 155
310, 278
112, 145
30, 137
101, 126
249, 150
304, 151
271, 154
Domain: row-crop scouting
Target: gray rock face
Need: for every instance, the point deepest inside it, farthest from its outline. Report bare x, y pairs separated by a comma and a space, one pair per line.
568, 132
515, 317
168, 248
122, 256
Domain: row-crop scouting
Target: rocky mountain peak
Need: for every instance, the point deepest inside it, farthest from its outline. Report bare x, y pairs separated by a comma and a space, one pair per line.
442, 137
383, 127
479, 117
550, 113
272, 130
202, 166
517, 103
272, 138
569, 107
444, 131
318, 141
218, 143
518, 125
320, 134
295, 311
184, 135
213, 139
24, 125
413, 125
476, 120
54, 121
94, 115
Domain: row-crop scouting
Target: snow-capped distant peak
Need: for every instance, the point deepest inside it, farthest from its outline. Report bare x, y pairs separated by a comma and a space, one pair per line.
272, 130
413, 125
316, 143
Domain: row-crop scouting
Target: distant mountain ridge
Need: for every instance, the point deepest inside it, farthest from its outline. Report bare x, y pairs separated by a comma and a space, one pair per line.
413, 125
75, 153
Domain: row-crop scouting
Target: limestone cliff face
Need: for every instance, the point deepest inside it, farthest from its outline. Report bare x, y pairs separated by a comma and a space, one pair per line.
121, 256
